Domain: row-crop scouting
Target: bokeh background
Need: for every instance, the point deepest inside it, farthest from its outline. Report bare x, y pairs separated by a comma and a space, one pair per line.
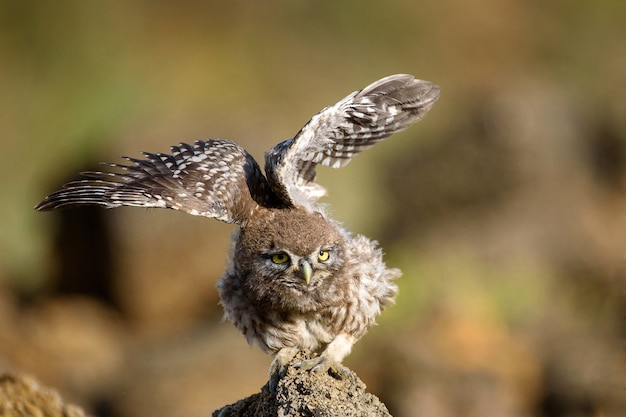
505, 207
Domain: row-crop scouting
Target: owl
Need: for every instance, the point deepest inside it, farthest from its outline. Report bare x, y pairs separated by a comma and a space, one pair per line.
297, 279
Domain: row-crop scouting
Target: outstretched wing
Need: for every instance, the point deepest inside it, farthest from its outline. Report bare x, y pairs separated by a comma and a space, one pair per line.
337, 133
216, 178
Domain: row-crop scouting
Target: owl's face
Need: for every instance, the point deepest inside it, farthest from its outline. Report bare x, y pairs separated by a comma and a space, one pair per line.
290, 252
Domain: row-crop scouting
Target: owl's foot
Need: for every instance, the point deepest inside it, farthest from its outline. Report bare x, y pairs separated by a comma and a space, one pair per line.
278, 369
275, 376
322, 364
331, 357
318, 364
329, 361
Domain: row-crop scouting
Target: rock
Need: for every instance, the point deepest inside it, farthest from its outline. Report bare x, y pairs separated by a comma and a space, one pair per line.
306, 394
22, 396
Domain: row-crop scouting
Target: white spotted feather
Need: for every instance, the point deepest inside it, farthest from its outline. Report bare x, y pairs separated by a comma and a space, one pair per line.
339, 132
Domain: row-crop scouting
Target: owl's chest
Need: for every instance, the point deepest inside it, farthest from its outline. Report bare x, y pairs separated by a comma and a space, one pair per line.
305, 331
315, 331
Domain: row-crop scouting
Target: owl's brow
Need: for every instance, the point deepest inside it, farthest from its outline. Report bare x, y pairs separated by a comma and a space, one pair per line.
270, 253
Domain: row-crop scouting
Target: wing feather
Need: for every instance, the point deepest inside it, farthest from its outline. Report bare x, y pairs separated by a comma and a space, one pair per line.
339, 132
216, 178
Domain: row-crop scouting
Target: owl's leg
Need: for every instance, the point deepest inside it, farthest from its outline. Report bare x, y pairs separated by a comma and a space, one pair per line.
279, 365
331, 357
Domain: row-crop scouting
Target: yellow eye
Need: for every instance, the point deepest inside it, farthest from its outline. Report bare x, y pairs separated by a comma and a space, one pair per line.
280, 258
323, 255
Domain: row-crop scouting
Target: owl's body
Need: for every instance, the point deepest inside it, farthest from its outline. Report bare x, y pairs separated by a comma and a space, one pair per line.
275, 308
297, 279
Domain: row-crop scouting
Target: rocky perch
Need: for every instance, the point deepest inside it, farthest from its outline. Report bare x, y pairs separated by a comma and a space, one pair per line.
306, 394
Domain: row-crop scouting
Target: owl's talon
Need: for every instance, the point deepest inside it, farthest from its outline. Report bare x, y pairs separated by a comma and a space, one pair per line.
321, 365
273, 382
338, 372
316, 365
276, 374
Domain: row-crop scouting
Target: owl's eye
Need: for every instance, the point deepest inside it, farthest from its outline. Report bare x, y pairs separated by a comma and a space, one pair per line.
323, 255
280, 258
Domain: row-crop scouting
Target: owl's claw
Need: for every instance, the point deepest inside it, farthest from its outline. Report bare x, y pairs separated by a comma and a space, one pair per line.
273, 382
278, 369
320, 365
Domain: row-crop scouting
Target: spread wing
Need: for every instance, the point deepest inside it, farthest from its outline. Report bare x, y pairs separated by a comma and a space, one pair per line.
216, 178
339, 132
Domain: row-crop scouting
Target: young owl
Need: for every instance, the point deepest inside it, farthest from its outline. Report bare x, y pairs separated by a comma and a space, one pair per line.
297, 279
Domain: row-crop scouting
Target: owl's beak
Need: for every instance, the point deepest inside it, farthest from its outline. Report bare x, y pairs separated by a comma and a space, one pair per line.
305, 270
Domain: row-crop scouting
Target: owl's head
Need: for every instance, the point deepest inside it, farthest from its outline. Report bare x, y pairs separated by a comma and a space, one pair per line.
292, 252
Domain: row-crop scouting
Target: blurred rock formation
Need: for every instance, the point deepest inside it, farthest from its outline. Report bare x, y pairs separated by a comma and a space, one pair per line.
22, 396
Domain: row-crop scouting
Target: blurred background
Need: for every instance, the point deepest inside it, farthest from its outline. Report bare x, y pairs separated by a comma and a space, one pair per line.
505, 207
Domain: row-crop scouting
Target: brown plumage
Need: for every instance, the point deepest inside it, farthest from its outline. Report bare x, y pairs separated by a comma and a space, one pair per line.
297, 279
